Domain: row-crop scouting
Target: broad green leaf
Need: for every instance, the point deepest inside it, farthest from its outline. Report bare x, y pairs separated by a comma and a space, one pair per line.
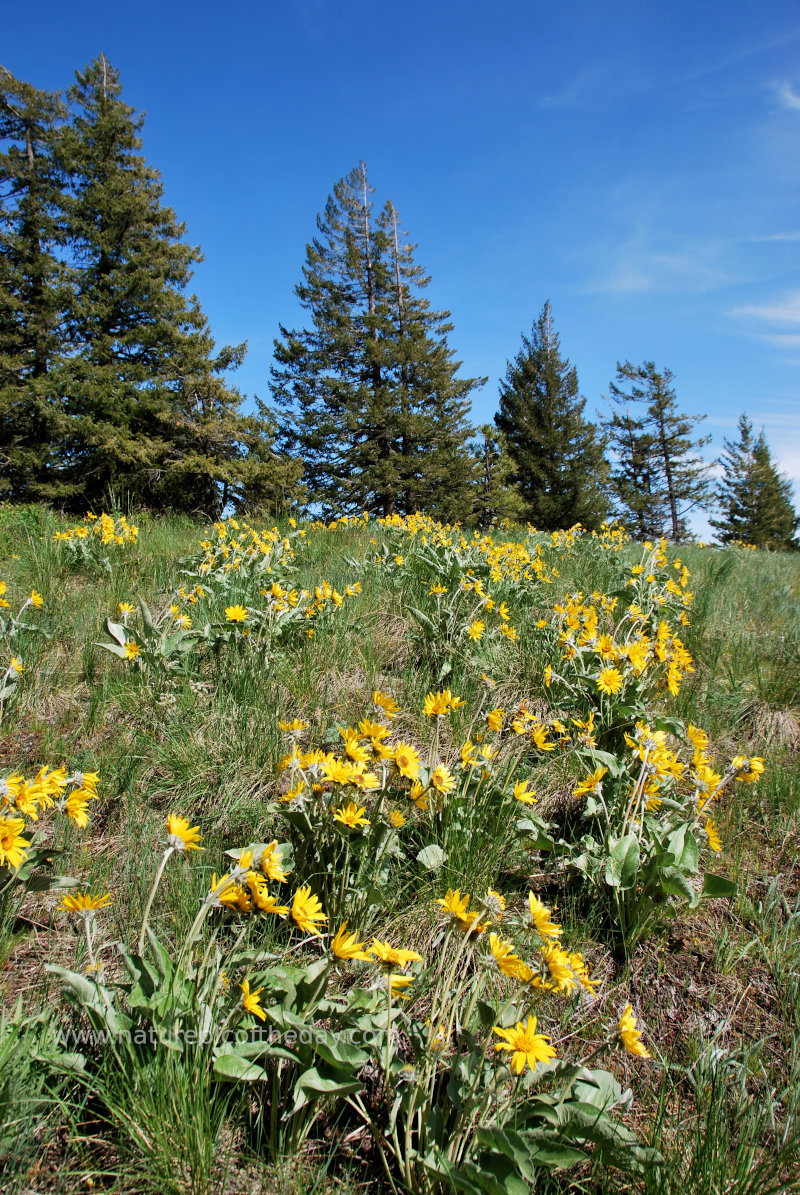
714, 885
232, 1066
432, 857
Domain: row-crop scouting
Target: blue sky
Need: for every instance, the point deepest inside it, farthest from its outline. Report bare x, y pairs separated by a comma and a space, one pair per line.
635, 163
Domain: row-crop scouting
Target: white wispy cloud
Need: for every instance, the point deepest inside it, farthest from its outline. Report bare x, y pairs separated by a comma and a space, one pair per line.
633, 268
788, 97
771, 237
783, 311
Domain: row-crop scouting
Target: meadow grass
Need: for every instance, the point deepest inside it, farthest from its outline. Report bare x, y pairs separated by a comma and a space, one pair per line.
716, 989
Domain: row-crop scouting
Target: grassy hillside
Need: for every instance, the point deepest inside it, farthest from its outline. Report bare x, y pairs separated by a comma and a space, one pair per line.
384, 719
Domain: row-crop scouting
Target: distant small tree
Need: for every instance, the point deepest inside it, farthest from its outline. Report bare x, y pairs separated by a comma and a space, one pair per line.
558, 455
754, 500
657, 475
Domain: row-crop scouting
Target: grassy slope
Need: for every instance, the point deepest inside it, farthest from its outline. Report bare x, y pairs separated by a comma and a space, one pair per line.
725, 978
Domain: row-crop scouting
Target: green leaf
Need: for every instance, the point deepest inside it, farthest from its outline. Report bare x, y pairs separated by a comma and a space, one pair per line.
622, 863
714, 885
230, 1065
432, 857
117, 631
323, 1080
112, 647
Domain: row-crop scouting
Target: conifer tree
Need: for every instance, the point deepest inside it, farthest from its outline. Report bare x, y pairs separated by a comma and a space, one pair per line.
657, 476
558, 455
634, 476
367, 393
496, 492
133, 332
32, 292
754, 500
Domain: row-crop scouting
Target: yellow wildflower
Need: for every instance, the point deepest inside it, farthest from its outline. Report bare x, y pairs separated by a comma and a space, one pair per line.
346, 946
307, 910
182, 837
629, 1035
528, 1047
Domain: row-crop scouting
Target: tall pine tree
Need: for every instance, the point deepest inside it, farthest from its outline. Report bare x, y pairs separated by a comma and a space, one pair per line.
368, 393
558, 455
133, 333
754, 500
658, 476
32, 285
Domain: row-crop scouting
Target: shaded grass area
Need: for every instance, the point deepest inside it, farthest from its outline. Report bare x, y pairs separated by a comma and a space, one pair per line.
717, 991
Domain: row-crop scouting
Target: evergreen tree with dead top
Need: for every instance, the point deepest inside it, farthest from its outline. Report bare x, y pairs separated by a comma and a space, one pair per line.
658, 476
558, 455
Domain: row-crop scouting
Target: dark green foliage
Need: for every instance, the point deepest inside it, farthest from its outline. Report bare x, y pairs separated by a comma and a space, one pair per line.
657, 476
754, 499
109, 379
496, 494
558, 456
32, 292
368, 393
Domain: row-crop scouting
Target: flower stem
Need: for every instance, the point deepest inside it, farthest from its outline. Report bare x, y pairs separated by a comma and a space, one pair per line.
152, 896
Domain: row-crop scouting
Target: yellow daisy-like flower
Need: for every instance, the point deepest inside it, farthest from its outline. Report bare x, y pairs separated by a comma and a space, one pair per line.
442, 779
307, 910
503, 957
271, 862
251, 1000
521, 792
590, 783
181, 835
36, 599
385, 702
436, 705
610, 680
455, 904
16, 665
293, 727
475, 630
83, 904
126, 608
393, 958
396, 819
418, 795
407, 761
351, 815
235, 613
262, 900
751, 771
398, 983
528, 1047
437, 590
540, 917
714, 840
12, 845
629, 1035
77, 808
494, 719
372, 730
131, 649
347, 946
562, 978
